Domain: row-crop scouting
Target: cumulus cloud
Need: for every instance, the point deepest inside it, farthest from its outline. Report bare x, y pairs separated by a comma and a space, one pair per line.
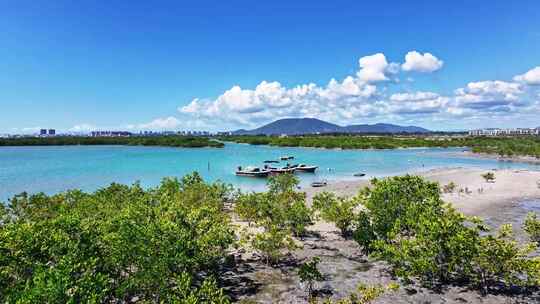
424, 63
416, 96
494, 94
270, 99
353, 97
416, 103
531, 77
362, 97
166, 123
82, 128
373, 68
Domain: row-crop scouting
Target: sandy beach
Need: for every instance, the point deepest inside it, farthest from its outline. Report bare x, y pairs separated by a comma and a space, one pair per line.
509, 186
345, 266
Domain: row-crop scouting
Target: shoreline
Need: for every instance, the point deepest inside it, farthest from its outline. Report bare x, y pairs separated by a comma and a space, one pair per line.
520, 158
478, 196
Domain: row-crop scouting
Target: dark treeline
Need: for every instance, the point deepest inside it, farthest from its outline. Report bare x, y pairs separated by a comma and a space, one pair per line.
166, 141
503, 146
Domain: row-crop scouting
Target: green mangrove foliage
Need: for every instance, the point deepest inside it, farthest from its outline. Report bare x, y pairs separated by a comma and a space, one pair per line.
503, 146
365, 294
489, 177
407, 224
337, 210
531, 225
279, 214
309, 274
166, 141
118, 244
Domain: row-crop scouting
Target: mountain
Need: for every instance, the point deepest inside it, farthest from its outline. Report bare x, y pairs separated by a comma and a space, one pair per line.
297, 126
293, 126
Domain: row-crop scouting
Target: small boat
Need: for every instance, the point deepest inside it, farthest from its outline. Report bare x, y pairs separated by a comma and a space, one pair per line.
359, 174
252, 171
318, 184
286, 157
305, 168
271, 161
286, 169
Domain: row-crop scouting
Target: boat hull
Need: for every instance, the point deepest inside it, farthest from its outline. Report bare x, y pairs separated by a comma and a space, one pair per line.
282, 171
306, 169
253, 174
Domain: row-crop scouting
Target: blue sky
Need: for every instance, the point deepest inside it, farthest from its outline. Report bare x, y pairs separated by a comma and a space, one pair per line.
84, 65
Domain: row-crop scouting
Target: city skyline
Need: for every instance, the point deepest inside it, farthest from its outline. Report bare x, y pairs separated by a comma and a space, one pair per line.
78, 67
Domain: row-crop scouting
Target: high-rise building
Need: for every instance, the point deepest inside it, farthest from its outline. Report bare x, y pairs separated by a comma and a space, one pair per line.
52, 132
43, 132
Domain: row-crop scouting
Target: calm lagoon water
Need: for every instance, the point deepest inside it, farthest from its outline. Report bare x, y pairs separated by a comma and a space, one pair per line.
55, 169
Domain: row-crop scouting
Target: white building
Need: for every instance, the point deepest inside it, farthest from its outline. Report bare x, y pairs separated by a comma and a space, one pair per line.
505, 132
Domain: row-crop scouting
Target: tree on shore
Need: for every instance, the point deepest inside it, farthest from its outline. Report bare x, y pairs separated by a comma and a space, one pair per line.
279, 215
489, 177
337, 210
309, 274
117, 244
406, 223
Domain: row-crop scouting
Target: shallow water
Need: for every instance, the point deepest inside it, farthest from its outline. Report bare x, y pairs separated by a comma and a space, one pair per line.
57, 168
531, 205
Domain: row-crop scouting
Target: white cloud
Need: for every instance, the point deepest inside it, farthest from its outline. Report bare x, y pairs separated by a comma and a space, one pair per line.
270, 100
166, 123
373, 68
362, 97
82, 128
416, 96
531, 77
418, 103
426, 63
489, 94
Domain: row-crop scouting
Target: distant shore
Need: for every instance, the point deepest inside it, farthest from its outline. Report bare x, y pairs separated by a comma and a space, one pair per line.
519, 158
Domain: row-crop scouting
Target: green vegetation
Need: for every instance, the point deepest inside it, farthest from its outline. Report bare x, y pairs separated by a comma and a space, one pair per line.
169, 243
503, 146
489, 177
337, 210
406, 223
279, 214
532, 227
449, 188
117, 244
166, 141
309, 274
365, 294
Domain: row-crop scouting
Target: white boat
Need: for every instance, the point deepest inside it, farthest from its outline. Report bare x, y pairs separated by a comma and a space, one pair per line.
286, 169
252, 171
305, 168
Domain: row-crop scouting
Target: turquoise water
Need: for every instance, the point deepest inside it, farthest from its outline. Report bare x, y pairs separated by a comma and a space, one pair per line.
54, 169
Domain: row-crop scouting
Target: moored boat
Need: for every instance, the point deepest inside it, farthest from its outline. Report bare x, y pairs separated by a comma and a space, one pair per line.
286, 157
305, 168
359, 174
319, 184
286, 169
252, 171
271, 161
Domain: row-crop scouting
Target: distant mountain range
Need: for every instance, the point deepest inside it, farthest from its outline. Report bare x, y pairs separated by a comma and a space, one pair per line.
297, 126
